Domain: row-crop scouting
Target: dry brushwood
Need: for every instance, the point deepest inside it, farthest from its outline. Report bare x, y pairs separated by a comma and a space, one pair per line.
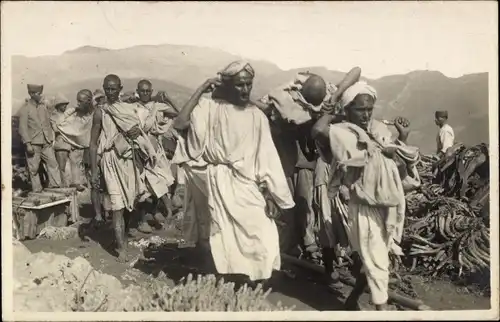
443, 233
48, 282
205, 293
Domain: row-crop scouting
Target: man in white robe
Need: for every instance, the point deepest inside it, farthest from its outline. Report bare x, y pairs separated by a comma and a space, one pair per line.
234, 178
377, 170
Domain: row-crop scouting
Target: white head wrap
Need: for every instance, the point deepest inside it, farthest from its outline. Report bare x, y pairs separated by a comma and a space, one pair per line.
235, 67
356, 89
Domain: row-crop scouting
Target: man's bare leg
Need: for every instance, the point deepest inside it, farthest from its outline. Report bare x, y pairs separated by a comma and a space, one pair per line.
332, 277
352, 302
95, 196
120, 235
167, 205
143, 225
62, 158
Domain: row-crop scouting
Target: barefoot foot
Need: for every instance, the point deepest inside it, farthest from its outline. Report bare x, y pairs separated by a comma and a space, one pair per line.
122, 257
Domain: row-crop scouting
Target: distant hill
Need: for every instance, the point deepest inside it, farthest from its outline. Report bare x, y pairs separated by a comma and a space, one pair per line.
419, 94
416, 96
185, 65
180, 69
178, 93
86, 50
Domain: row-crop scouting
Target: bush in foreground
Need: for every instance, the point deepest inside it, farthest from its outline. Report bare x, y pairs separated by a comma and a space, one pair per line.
46, 282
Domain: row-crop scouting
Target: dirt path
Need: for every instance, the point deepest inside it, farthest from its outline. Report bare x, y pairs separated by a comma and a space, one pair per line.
304, 291
290, 292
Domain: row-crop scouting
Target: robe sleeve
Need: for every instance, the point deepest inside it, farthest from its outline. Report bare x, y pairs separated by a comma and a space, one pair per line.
192, 144
159, 123
412, 180
150, 121
268, 166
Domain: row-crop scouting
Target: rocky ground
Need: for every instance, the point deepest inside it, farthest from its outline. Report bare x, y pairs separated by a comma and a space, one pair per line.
291, 289
291, 286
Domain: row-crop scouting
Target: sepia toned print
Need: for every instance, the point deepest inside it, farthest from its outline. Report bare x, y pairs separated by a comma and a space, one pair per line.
323, 160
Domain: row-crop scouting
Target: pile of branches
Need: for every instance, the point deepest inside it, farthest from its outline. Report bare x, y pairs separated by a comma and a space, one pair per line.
447, 221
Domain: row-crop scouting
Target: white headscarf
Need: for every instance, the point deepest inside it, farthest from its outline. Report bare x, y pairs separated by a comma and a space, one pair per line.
356, 89
235, 67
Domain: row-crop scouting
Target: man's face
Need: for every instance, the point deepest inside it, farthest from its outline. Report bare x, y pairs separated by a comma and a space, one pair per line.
240, 88
112, 89
144, 91
361, 111
35, 95
101, 100
61, 107
440, 121
84, 102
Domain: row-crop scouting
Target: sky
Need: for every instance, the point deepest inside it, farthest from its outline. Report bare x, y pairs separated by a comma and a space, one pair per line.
382, 38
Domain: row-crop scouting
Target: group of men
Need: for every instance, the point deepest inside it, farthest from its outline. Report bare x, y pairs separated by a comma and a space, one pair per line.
54, 132
42, 127
309, 156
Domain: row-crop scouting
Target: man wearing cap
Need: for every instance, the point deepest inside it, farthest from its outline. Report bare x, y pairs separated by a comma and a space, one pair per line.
292, 109
446, 137
72, 127
37, 135
235, 183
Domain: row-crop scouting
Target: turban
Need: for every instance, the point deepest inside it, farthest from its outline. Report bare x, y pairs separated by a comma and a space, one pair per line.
442, 114
358, 88
35, 88
236, 67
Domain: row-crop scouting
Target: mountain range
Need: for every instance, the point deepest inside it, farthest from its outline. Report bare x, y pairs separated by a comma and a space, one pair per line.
180, 69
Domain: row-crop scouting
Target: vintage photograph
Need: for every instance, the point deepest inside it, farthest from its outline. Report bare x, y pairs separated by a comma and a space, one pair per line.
298, 157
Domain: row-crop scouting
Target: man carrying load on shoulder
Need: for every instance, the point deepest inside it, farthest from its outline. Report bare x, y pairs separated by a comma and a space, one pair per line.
167, 140
72, 127
292, 110
331, 212
378, 170
159, 178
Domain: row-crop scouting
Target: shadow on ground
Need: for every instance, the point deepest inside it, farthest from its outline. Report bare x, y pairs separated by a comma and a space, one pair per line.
303, 292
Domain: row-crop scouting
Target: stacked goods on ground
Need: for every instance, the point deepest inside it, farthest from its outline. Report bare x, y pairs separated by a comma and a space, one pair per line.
37, 199
447, 222
45, 282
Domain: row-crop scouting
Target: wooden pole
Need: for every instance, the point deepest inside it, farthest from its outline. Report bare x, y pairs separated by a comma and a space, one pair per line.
413, 304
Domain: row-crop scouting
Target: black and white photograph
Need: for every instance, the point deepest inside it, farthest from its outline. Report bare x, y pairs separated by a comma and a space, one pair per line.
212, 160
